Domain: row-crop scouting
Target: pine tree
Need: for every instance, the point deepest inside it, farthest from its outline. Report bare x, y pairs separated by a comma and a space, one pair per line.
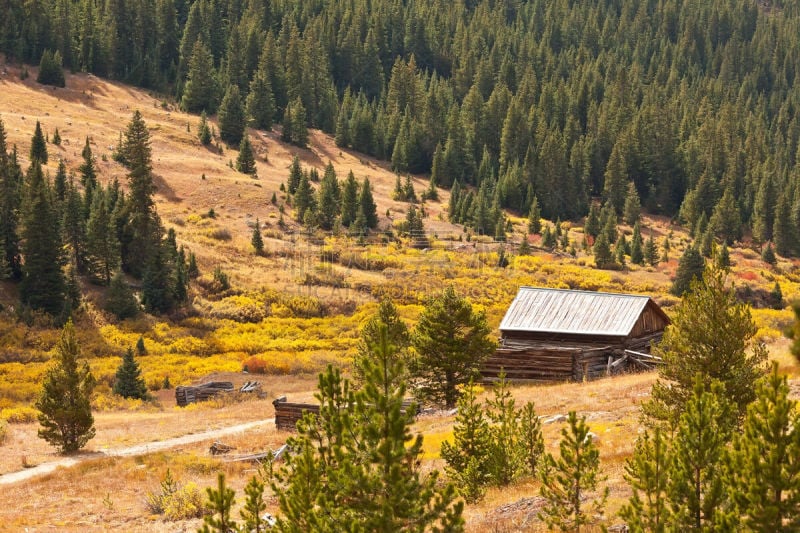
647, 472
73, 225
762, 473
712, 334
203, 131
128, 381
254, 507
64, 404
256, 241
43, 284
567, 480
349, 200
246, 162
366, 206
260, 103
690, 267
10, 199
294, 124
120, 300
603, 257
726, 219
365, 470
38, 145
388, 317
768, 255
695, 489
200, 92
592, 225
231, 117
60, 182
468, 456
142, 226
723, 259
651, 251
507, 457
158, 282
633, 206
88, 175
451, 340
616, 177
535, 217
328, 199
51, 71
784, 233
220, 502
56, 138
303, 199
102, 245
776, 297
637, 254
295, 174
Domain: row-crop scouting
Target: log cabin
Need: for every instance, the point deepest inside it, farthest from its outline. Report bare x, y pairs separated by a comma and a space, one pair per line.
571, 335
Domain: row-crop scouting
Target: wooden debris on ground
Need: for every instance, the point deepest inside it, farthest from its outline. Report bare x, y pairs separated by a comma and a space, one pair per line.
200, 393
219, 448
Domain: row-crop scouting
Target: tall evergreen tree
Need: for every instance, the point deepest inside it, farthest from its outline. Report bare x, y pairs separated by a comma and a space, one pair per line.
365, 472
246, 161
567, 480
711, 334
64, 404
633, 206
349, 200
535, 217
762, 472
203, 131
450, 341
690, 267
260, 103
38, 145
73, 225
647, 472
468, 456
10, 203
142, 226
257, 241
328, 199
200, 92
695, 489
304, 199
102, 245
128, 381
367, 209
43, 284
295, 175
637, 253
120, 300
231, 117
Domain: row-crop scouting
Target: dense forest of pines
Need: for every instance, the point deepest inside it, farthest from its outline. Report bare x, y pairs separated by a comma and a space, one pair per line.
64, 232
558, 101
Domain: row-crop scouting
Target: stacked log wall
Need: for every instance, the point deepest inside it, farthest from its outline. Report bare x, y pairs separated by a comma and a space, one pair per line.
548, 360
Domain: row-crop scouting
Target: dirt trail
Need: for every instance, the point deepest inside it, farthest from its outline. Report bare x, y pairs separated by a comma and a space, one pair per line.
128, 451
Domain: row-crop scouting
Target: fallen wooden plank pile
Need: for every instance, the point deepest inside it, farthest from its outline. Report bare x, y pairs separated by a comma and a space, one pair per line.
287, 414
200, 393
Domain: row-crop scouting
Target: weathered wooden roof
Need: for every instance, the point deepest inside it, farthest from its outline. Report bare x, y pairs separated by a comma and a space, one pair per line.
575, 312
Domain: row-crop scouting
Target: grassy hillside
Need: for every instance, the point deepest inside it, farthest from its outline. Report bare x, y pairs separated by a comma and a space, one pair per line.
287, 313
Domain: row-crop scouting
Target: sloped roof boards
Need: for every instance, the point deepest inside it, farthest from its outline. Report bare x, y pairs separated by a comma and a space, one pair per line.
572, 312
